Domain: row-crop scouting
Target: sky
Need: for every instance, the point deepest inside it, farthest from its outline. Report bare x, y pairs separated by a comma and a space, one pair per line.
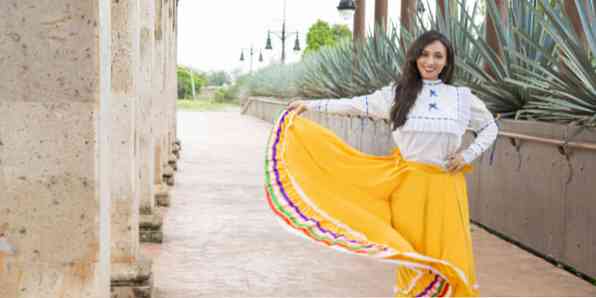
212, 33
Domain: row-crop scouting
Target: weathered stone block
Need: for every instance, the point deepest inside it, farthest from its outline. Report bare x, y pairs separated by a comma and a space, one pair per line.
151, 236
162, 196
132, 280
168, 172
170, 181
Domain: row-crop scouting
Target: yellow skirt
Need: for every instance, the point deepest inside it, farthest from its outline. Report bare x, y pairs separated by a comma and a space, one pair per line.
410, 214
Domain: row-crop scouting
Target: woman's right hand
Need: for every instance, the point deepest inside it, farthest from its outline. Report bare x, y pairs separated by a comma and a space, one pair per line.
298, 105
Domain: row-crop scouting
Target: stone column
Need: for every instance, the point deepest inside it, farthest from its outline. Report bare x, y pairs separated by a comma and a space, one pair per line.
171, 85
173, 121
55, 148
150, 222
159, 122
131, 274
158, 111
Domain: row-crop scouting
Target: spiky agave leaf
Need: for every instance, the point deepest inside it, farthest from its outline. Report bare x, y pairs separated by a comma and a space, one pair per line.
565, 93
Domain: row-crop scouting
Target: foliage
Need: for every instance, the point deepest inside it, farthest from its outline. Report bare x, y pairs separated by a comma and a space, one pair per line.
277, 80
185, 84
565, 90
218, 78
321, 34
233, 92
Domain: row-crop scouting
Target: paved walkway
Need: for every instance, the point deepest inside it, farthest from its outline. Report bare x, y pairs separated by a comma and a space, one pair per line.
221, 240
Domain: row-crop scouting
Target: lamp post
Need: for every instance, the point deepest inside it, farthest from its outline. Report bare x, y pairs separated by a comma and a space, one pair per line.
192, 80
346, 9
283, 35
356, 9
251, 52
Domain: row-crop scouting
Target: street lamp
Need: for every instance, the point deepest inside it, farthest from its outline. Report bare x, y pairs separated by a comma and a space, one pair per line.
251, 52
283, 35
420, 7
346, 9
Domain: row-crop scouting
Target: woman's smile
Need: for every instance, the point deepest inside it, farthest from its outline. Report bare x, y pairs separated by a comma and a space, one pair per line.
432, 60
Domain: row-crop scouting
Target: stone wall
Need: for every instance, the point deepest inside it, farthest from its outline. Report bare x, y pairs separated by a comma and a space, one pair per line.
87, 141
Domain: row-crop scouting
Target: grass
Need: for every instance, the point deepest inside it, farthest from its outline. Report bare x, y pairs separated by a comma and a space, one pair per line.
205, 105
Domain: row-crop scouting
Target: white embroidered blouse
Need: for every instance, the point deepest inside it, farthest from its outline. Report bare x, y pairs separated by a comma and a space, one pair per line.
435, 124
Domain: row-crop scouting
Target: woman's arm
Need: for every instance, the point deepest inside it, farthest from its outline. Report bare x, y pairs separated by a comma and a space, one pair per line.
483, 123
377, 104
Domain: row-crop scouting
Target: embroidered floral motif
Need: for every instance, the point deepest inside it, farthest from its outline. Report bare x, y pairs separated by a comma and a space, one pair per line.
433, 93
432, 105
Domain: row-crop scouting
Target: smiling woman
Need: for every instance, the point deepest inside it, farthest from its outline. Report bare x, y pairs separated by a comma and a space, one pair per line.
409, 208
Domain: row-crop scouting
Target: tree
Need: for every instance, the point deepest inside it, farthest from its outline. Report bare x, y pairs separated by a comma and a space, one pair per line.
185, 83
218, 78
320, 34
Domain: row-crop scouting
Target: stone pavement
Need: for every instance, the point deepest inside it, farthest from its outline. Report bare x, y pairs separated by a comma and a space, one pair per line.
221, 239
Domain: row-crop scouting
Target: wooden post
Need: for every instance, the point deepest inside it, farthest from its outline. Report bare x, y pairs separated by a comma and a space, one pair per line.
443, 9
360, 21
408, 13
380, 15
491, 30
572, 11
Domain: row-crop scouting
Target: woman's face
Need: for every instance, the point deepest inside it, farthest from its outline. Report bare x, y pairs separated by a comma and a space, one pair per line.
432, 60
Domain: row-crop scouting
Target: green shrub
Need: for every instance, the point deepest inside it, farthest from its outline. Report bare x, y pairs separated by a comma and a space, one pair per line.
185, 84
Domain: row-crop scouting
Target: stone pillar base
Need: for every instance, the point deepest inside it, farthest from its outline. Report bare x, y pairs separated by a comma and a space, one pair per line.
176, 149
132, 280
162, 195
173, 162
168, 175
150, 227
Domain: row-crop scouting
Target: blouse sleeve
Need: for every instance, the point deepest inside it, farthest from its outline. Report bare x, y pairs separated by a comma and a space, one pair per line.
483, 123
377, 104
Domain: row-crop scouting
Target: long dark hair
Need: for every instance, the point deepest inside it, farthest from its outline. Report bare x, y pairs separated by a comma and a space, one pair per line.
410, 82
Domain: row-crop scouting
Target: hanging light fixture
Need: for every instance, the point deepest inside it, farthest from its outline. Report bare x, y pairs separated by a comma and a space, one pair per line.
260, 56
420, 7
242, 55
268, 43
297, 43
346, 9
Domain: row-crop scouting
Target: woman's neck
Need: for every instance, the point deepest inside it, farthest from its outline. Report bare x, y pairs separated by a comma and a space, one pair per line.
434, 82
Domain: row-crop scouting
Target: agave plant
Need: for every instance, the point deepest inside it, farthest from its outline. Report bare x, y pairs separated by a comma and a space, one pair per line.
489, 72
328, 72
349, 70
277, 80
565, 88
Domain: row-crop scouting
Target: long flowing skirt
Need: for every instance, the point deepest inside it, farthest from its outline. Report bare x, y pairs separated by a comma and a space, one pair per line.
410, 214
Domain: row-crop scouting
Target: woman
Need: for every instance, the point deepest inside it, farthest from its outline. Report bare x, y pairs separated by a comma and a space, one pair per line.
409, 208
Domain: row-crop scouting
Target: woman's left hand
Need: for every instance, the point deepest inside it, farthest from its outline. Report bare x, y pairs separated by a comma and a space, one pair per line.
455, 162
